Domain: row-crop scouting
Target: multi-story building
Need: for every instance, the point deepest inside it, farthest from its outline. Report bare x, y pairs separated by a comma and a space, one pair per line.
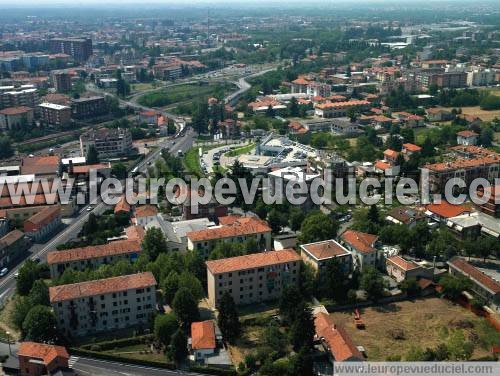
252, 278
54, 114
16, 117
400, 269
85, 108
105, 304
12, 245
481, 77
35, 61
362, 247
40, 225
467, 138
232, 229
109, 143
492, 206
483, 285
27, 97
318, 255
61, 82
78, 48
340, 109
92, 256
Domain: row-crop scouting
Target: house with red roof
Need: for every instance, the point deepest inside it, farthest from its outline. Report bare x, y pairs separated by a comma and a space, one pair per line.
37, 359
409, 149
335, 339
318, 255
401, 269
411, 120
444, 210
202, 341
145, 214
467, 138
362, 247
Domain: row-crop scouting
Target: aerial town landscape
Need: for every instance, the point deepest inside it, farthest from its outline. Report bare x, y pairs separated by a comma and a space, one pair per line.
249, 188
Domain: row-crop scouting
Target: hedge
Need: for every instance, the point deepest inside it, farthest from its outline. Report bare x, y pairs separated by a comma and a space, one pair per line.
124, 342
213, 371
119, 359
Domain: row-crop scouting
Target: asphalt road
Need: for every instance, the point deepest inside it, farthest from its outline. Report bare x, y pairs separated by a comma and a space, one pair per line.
96, 367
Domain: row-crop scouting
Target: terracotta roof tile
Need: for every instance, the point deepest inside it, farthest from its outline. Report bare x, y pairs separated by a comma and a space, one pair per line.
146, 211
402, 263
336, 338
255, 260
411, 147
203, 335
325, 249
467, 134
350, 103
84, 253
122, 205
475, 274
45, 216
10, 238
15, 110
447, 210
238, 227
135, 233
42, 351
101, 286
361, 241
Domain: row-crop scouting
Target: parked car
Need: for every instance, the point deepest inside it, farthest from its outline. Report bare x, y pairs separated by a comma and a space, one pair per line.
4, 272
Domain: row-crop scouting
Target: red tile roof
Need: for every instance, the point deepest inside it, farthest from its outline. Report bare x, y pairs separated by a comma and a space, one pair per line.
336, 338
392, 154
45, 216
40, 165
15, 110
361, 241
402, 263
118, 247
412, 147
240, 227
467, 134
255, 260
47, 353
464, 163
101, 286
122, 205
475, 274
353, 102
447, 210
325, 249
85, 169
10, 238
203, 335
135, 233
381, 165
146, 211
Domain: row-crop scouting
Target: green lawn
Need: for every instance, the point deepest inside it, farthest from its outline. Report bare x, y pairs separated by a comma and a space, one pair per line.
239, 151
192, 162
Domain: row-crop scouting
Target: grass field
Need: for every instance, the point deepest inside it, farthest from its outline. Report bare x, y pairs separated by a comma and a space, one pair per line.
423, 322
239, 151
482, 114
144, 86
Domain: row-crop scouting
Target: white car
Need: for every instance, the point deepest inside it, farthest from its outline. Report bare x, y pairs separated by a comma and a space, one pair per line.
4, 272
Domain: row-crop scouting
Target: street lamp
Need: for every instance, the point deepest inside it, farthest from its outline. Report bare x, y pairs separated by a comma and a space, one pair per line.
8, 341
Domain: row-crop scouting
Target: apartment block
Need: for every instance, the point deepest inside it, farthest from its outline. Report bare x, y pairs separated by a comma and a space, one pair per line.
92, 256
103, 305
42, 224
80, 49
109, 143
340, 109
85, 108
26, 97
492, 206
362, 247
61, 82
16, 117
252, 278
54, 114
232, 229
37, 359
318, 255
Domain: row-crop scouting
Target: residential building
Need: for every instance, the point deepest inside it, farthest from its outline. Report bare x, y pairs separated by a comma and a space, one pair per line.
88, 107
42, 224
16, 118
440, 212
145, 214
410, 120
61, 81
54, 114
467, 138
12, 246
252, 278
439, 114
471, 225
202, 342
340, 109
400, 269
492, 206
92, 257
231, 229
483, 285
106, 304
41, 166
211, 210
109, 143
37, 359
26, 97
409, 149
480, 77
335, 339
80, 49
362, 246
318, 255
404, 215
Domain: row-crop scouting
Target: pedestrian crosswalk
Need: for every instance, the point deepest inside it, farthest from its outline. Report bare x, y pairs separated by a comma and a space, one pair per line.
72, 360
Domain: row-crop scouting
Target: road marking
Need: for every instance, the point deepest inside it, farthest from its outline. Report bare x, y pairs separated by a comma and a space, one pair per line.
72, 360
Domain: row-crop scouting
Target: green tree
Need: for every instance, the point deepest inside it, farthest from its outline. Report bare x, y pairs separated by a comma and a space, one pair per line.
39, 294
164, 327
291, 299
295, 218
228, 320
28, 274
39, 324
119, 170
302, 362
6, 150
191, 283
178, 346
459, 349
302, 329
274, 338
185, 307
454, 285
170, 285
317, 226
293, 108
154, 243
92, 156
372, 282
22, 306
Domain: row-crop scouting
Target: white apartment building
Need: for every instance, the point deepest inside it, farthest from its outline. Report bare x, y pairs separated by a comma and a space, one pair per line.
105, 304
109, 143
252, 278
